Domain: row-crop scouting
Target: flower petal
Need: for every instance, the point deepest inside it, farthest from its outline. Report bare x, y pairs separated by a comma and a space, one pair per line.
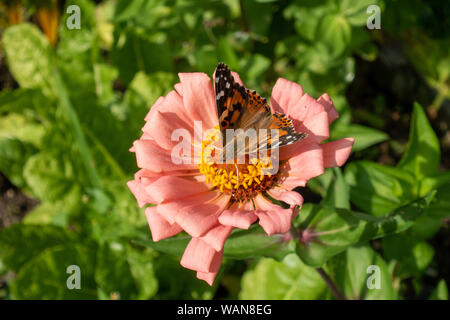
308, 163
198, 98
316, 127
154, 107
292, 198
238, 218
336, 153
325, 100
159, 226
151, 156
217, 236
170, 209
138, 186
160, 127
196, 220
207, 276
167, 188
199, 256
273, 218
285, 96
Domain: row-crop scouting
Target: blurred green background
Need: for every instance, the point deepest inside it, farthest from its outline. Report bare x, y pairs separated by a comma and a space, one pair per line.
73, 101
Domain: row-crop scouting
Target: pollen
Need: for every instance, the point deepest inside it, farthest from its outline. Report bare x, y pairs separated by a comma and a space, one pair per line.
242, 181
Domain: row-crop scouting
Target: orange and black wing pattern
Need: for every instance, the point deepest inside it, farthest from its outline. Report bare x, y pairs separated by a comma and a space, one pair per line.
240, 108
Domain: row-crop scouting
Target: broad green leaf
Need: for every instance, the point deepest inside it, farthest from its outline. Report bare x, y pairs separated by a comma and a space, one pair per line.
423, 153
440, 208
356, 11
29, 55
45, 275
440, 292
20, 243
289, 279
258, 15
324, 232
307, 17
379, 189
254, 242
338, 193
142, 268
13, 156
54, 213
16, 126
176, 282
53, 177
364, 136
140, 51
241, 244
112, 272
412, 256
335, 32
355, 272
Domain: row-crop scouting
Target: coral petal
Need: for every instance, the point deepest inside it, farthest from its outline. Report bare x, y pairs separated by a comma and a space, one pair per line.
200, 256
285, 96
336, 153
167, 188
238, 218
325, 100
159, 226
217, 236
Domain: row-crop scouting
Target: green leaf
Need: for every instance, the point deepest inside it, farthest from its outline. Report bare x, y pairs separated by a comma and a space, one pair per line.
13, 156
242, 244
55, 213
353, 274
364, 136
440, 208
112, 272
325, 232
254, 242
356, 11
140, 51
15, 126
142, 268
176, 282
20, 243
335, 32
45, 276
338, 193
53, 177
378, 189
412, 256
423, 154
440, 292
289, 279
29, 55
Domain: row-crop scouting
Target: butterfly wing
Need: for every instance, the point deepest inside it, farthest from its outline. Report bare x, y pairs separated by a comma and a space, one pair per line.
240, 108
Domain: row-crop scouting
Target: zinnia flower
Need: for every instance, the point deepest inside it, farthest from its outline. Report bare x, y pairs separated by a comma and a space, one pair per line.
208, 203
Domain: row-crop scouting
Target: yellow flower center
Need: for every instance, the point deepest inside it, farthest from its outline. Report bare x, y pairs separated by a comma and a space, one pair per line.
242, 181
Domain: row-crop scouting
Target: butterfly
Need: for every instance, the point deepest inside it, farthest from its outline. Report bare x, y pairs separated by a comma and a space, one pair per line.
240, 108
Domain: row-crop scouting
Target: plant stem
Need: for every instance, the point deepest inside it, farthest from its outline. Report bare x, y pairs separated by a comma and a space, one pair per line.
79, 136
337, 294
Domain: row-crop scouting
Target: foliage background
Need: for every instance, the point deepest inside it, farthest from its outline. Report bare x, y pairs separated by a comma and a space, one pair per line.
73, 101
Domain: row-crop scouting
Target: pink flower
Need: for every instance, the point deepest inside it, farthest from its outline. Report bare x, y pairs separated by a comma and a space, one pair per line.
195, 198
